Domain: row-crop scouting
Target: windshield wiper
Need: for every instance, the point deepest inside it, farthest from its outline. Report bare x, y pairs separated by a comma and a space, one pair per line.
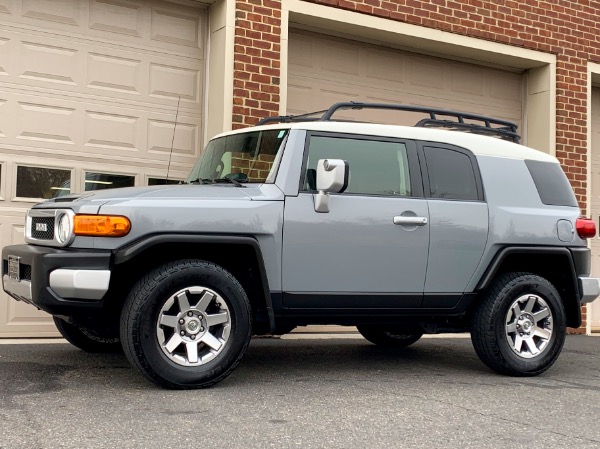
200, 181
233, 181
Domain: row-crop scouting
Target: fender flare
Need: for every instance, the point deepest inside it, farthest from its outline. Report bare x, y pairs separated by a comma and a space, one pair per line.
131, 250
572, 308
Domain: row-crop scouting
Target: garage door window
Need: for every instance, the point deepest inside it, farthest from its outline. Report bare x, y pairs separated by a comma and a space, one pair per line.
101, 181
376, 167
451, 175
162, 181
42, 182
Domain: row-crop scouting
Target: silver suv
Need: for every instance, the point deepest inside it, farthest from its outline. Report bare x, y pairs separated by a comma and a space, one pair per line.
399, 231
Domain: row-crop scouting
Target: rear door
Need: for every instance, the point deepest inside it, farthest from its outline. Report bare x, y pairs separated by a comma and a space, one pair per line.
458, 221
362, 253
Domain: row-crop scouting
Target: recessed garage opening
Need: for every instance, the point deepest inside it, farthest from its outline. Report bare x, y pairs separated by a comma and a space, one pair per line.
324, 70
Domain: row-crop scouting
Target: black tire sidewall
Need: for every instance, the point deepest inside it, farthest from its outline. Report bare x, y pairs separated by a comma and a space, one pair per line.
541, 287
389, 337
89, 343
145, 325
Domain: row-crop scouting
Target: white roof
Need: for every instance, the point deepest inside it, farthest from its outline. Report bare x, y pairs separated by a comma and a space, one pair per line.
480, 145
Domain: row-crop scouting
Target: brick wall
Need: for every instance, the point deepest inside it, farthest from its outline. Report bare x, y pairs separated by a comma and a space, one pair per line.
566, 28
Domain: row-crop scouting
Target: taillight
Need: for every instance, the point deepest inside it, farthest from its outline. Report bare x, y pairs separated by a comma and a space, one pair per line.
586, 227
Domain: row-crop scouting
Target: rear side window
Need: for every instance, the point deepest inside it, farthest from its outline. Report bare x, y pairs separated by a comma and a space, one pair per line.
451, 175
551, 183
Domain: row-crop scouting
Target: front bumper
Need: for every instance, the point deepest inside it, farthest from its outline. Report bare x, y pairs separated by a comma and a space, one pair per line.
55, 280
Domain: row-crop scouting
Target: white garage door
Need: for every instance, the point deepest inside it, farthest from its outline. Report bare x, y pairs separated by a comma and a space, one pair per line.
88, 97
595, 188
324, 70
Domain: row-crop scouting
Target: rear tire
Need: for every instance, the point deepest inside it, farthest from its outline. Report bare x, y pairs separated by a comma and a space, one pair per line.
86, 339
389, 337
518, 328
186, 324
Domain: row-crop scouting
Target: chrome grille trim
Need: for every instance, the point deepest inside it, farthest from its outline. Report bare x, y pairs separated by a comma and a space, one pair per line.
49, 217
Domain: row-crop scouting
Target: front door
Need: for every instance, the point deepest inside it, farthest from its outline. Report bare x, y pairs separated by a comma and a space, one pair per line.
368, 251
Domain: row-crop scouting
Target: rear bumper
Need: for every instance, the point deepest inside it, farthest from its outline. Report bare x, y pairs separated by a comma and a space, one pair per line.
589, 288
58, 281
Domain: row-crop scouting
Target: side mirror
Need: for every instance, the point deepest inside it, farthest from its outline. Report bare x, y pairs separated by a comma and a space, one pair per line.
332, 176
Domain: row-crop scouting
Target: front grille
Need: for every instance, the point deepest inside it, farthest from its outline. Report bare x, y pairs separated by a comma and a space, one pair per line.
25, 272
41, 234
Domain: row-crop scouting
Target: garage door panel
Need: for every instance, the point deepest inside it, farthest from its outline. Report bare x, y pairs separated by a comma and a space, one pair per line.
367, 72
385, 66
5, 6
181, 27
122, 18
340, 58
115, 73
6, 57
467, 81
174, 82
300, 52
50, 63
59, 11
185, 141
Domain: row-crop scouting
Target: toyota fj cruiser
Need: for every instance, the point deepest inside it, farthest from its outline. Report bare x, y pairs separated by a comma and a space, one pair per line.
396, 230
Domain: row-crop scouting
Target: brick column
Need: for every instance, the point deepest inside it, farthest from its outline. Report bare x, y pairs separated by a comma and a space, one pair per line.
257, 49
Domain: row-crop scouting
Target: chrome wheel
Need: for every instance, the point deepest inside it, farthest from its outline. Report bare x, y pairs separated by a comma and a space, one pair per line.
193, 326
529, 326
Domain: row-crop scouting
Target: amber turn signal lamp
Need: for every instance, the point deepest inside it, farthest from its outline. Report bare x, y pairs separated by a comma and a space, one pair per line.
101, 225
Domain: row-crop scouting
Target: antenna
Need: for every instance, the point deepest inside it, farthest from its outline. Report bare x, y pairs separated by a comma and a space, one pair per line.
173, 139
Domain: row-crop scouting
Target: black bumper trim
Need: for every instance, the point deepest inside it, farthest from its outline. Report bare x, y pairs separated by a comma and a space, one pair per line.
43, 260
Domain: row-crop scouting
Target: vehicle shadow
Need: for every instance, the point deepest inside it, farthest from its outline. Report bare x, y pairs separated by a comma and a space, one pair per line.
281, 361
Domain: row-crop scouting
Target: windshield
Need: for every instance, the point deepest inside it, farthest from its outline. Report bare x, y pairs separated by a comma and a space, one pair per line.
244, 157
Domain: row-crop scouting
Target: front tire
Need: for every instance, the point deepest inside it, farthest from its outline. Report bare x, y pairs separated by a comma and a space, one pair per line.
186, 324
518, 329
86, 339
396, 338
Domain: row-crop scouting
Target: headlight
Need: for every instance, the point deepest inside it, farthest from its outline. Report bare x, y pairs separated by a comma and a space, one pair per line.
64, 229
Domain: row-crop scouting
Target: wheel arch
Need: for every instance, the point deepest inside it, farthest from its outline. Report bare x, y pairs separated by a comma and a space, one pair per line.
554, 264
241, 255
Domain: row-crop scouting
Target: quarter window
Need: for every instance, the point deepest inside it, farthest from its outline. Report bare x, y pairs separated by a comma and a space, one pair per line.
451, 174
42, 182
376, 167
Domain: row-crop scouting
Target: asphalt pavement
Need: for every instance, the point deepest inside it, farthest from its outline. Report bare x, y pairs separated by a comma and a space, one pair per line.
303, 393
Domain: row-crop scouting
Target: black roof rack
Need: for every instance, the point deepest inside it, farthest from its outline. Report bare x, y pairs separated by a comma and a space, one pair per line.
487, 125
